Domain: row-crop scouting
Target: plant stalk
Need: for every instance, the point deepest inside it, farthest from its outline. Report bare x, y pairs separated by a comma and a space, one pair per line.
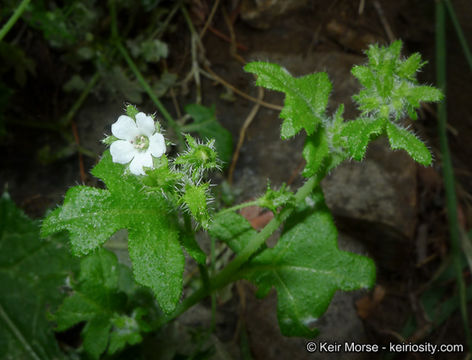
142, 81
460, 33
448, 173
83, 96
13, 19
230, 272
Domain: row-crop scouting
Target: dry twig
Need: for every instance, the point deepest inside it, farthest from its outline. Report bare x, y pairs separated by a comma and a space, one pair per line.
242, 134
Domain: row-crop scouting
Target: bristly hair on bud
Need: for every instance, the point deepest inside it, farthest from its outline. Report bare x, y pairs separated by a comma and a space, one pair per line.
274, 199
195, 200
131, 111
198, 158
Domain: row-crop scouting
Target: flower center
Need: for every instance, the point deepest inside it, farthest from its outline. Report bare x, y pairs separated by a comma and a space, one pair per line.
141, 142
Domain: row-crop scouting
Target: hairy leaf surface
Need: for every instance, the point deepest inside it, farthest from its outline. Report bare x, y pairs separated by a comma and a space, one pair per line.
315, 151
233, 229
99, 301
306, 267
306, 97
403, 139
359, 133
31, 275
389, 85
92, 215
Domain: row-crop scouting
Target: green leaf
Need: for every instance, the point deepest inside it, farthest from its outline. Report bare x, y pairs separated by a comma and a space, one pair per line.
389, 85
151, 50
208, 127
96, 335
127, 330
31, 275
118, 82
191, 246
166, 81
97, 299
315, 151
89, 228
411, 66
75, 309
358, 134
96, 295
92, 216
101, 268
306, 267
306, 97
403, 139
158, 261
423, 93
233, 229
161, 178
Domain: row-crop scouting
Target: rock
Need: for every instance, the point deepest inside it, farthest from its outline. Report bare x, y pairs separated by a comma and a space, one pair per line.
261, 13
375, 201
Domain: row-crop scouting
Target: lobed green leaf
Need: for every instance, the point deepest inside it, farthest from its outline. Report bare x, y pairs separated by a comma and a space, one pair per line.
32, 272
233, 229
87, 214
359, 133
315, 151
403, 139
306, 97
411, 66
306, 267
158, 261
92, 216
99, 301
389, 85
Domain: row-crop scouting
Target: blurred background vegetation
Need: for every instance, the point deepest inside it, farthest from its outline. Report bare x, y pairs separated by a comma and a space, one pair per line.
67, 68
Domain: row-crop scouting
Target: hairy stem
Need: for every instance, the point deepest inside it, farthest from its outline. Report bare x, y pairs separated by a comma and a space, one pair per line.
230, 272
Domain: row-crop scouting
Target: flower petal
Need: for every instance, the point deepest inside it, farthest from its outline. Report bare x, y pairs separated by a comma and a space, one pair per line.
122, 151
157, 145
124, 128
141, 159
145, 124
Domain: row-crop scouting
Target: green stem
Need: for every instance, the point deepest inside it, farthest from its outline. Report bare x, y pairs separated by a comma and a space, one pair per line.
142, 81
14, 18
160, 30
239, 206
448, 173
230, 273
145, 85
212, 271
18, 334
78, 103
460, 34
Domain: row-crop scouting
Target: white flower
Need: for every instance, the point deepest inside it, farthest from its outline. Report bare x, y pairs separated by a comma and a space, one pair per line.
138, 142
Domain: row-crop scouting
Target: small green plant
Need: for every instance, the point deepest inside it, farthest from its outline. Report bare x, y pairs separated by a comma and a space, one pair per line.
162, 201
